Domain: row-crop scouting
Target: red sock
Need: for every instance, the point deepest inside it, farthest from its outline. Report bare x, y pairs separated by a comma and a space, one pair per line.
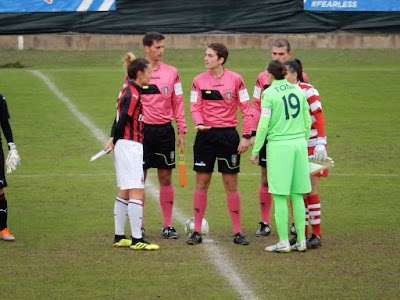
234, 211
314, 211
265, 204
167, 203
199, 208
306, 206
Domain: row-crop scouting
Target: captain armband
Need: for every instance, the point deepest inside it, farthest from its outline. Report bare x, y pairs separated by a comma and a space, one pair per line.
266, 112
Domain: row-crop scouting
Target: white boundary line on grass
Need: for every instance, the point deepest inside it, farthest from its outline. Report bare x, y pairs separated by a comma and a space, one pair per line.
224, 266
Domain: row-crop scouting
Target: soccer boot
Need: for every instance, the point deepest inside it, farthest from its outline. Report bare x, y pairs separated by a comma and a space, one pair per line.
121, 241
314, 241
240, 239
264, 230
293, 240
282, 247
293, 229
301, 247
169, 233
141, 244
5, 235
194, 239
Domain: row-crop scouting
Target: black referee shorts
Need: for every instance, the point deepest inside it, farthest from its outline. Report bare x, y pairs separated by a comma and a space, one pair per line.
158, 146
217, 144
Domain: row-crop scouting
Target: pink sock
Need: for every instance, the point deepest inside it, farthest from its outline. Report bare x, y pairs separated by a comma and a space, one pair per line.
199, 208
234, 211
167, 203
265, 204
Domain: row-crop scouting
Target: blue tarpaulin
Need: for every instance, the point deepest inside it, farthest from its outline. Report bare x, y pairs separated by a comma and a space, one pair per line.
12, 6
352, 5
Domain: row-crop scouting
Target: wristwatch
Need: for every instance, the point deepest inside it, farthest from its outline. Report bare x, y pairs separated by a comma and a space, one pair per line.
247, 136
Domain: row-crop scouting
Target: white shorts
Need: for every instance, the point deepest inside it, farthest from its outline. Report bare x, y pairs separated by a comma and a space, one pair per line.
128, 161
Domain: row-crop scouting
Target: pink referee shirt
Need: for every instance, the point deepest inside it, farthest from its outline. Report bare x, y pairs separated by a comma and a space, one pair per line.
214, 101
162, 99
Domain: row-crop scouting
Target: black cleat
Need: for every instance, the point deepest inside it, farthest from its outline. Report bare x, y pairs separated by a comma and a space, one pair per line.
293, 240
293, 230
240, 239
194, 239
264, 230
314, 241
169, 233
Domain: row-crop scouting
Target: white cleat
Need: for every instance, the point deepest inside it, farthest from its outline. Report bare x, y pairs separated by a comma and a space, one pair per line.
282, 247
301, 247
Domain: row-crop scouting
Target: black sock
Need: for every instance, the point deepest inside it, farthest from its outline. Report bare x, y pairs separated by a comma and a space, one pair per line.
134, 241
3, 211
117, 238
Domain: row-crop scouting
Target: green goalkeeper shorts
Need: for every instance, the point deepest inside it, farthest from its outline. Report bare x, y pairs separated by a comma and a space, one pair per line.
287, 167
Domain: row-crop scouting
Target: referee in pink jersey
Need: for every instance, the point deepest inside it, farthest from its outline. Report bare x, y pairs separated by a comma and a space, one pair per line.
215, 97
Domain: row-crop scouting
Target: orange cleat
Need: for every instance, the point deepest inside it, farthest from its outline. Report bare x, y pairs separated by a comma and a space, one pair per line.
5, 235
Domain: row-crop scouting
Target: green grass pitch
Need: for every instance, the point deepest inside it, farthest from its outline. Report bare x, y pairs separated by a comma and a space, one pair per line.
61, 205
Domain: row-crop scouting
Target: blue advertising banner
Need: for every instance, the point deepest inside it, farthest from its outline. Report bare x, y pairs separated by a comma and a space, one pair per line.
12, 6
353, 5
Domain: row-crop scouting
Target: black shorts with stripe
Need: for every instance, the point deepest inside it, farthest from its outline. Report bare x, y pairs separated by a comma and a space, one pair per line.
217, 144
158, 146
3, 181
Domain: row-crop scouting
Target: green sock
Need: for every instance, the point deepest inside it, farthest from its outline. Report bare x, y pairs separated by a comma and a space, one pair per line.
299, 213
281, 216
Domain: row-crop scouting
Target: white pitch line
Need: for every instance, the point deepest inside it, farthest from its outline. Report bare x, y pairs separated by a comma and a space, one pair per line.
226, 268
98, 134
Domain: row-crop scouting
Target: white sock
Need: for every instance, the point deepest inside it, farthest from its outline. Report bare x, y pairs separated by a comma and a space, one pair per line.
135, 212
120, 214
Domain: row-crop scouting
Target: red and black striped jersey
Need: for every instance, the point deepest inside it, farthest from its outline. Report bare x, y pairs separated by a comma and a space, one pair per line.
129, 120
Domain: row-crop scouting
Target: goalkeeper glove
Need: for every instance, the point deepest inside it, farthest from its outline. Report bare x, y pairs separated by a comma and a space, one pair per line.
329, 163
13, 159
320, 153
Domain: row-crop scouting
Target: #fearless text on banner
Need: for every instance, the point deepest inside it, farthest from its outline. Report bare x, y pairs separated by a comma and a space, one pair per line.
352, 5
